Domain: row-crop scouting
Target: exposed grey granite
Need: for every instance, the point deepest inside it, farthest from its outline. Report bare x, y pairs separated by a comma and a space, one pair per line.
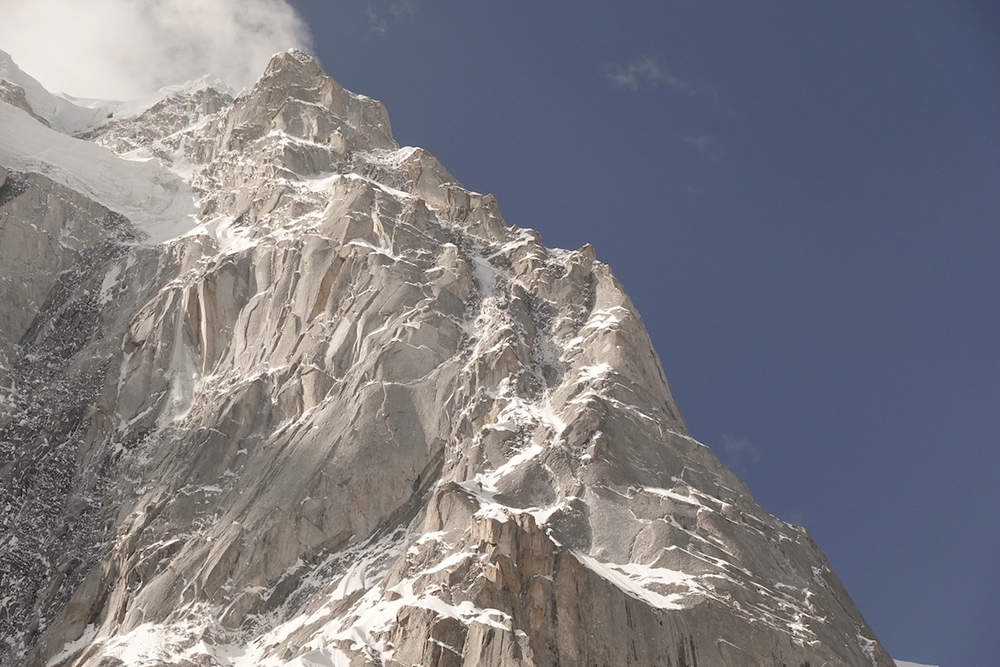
357, 419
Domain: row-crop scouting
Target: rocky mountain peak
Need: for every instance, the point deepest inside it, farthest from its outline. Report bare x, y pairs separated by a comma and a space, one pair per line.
297, 60
350, 417
295, 96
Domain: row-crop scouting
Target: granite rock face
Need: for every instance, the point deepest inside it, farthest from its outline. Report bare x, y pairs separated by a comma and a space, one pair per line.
347, 416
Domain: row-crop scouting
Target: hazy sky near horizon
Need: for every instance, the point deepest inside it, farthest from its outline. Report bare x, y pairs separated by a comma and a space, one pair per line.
802, 199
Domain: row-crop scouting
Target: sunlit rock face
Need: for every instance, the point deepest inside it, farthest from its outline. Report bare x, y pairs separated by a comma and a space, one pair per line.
342, 414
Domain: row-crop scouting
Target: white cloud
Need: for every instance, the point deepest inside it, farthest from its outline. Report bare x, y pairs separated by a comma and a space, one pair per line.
645, 71
707, 146
740, 449
126, 48
382, 13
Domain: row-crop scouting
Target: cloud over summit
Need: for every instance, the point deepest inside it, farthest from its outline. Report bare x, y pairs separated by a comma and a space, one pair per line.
126, 48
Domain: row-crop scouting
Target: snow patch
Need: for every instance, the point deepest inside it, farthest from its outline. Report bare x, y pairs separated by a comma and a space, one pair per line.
642, 581
110, 282
325, 657
230, 238
72, 647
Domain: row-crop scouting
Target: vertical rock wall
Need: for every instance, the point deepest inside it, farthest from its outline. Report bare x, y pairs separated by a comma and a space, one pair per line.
353, 418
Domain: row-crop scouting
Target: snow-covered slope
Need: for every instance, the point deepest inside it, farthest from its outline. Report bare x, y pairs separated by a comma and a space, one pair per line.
344, 415
61, 114
156, 200
74, 116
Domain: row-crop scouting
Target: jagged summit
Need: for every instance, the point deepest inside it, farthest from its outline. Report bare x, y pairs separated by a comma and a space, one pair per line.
297, 59
295, 66
296, 96
337, 412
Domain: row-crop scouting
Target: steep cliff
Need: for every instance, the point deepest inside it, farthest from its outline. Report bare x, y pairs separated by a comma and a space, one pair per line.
276, 391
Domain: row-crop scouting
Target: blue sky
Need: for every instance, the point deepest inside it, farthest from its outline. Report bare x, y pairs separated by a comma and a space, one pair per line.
803, 199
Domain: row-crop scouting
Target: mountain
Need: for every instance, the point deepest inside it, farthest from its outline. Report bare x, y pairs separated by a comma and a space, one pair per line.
277, 391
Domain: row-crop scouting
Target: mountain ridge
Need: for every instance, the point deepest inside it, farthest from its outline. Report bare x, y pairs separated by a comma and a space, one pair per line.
348, 416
